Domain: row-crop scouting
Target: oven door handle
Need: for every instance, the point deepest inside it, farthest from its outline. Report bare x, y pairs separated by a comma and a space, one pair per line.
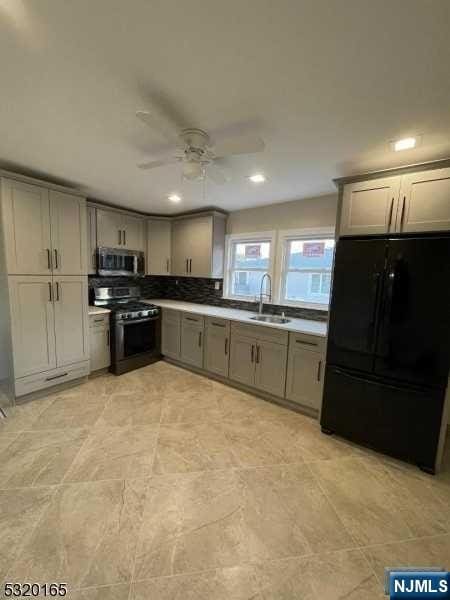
135, 321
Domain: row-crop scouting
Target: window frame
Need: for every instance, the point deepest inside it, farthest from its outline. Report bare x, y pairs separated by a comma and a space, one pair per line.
286, 236
233, 238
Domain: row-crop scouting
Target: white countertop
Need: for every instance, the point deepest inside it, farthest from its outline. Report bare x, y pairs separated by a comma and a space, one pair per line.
308, 326
98, 310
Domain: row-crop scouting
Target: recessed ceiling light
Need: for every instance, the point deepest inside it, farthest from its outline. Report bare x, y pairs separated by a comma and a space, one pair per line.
405, 144
257, 178
174, 198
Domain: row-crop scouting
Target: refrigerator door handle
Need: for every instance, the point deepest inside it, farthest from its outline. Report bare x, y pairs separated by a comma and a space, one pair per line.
376, 291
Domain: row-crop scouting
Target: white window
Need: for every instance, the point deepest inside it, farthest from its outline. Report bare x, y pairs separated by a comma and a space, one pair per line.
307, 261
248, 258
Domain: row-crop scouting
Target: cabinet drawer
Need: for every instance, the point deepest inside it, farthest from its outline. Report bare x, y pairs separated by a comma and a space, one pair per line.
191, 319
170, 315
309, 342
267, 334
33, 383
219, 324
99, 320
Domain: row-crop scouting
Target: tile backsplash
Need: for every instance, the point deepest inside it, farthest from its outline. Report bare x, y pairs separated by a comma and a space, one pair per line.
200, 290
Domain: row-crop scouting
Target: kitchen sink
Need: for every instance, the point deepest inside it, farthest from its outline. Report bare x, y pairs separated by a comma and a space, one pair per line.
270, 319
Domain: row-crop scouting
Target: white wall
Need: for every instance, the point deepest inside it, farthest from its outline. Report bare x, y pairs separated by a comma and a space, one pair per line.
309, 212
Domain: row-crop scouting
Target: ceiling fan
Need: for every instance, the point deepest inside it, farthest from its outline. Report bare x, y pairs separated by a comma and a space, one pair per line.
193, 148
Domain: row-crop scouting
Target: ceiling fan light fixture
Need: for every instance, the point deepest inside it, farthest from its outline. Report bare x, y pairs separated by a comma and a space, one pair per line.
257, 178
193, 171
174, 198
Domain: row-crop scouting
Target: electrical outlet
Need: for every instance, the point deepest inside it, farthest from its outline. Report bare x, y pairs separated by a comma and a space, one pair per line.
177, 282
217, 285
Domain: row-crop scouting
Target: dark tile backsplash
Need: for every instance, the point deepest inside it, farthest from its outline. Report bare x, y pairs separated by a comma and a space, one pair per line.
195, 289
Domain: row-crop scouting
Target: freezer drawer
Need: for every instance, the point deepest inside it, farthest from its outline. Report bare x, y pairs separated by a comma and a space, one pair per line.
402, 422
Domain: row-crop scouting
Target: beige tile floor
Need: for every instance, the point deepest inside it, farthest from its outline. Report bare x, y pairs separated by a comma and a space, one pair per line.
163, 484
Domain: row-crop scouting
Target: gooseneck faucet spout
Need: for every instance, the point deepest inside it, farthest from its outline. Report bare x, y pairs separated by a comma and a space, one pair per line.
262, 294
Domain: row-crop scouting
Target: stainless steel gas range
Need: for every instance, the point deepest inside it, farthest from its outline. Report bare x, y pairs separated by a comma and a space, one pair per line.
135, 328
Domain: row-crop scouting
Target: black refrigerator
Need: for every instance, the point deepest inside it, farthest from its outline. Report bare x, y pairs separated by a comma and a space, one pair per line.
388, 352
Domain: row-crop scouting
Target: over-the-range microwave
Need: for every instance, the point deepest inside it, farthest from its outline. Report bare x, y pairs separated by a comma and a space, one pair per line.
117, 262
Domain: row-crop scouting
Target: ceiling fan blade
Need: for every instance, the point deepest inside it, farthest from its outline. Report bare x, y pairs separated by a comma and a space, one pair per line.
158, 121
216, 174
240, 145
152, 164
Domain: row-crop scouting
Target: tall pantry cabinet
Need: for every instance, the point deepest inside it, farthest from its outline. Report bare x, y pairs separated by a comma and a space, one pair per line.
45, 261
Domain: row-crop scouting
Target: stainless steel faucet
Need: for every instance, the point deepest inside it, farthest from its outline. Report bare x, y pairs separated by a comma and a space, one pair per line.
261, 293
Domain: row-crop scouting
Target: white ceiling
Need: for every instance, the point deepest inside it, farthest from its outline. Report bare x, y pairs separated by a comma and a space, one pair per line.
326, 83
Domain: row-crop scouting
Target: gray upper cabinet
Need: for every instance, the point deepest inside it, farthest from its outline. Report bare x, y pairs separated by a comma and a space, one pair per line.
92, 239
192, 337
370, 207
159, 233
198, 244
409, 203
217, 346
425, 201
133, 233
68, 233
119, 230
26, 226
109, 228
45, 230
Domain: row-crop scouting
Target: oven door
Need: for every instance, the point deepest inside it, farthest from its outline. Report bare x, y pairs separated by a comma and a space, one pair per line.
120, 262
141, 336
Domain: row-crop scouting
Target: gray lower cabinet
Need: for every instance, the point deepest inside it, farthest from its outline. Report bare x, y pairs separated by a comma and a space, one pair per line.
192, 332
171, 333
306, 366
49, 330
242, 357
99, 342
217, 346
258, 357
270, 367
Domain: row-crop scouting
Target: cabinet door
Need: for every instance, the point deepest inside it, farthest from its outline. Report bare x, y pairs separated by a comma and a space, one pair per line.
199, 246
133, 233
171, 334
370, 207
71, 319
242, 359
180, 246
109, 229
26, 218
32, 325
158, 247
192, 341
304, 382
100, 356
92, 240
68, 232
270, 373
217, 346
425, 201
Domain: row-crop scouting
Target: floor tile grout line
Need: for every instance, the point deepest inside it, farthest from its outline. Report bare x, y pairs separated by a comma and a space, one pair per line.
88, 436
33, 528
138, 535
